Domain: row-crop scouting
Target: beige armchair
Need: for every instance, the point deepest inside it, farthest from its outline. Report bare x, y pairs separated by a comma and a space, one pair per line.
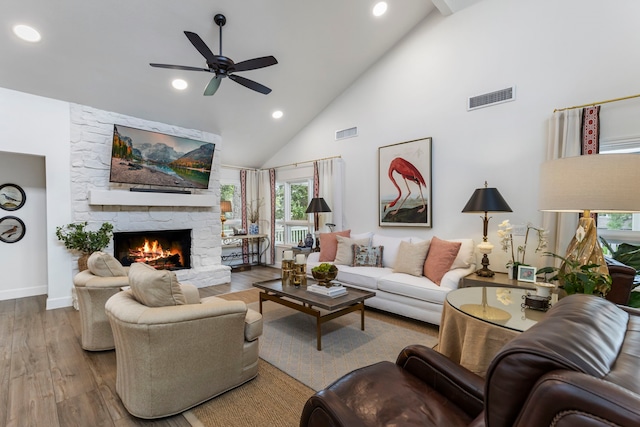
104, 278
172, 355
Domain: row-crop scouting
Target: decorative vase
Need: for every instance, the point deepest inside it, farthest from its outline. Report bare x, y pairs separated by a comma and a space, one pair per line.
308, 241
253, 228
82, 262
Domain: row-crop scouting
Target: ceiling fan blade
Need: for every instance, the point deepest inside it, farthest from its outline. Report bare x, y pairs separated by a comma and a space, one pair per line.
252, 64
180, 67
250, 84
202, 47
213, 86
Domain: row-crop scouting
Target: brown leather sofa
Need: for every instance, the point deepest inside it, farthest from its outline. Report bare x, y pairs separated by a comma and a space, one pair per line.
622, 277
577, 367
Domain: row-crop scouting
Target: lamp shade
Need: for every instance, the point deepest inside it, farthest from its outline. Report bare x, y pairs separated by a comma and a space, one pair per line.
598, 183
318, 205
486, 200
225, 206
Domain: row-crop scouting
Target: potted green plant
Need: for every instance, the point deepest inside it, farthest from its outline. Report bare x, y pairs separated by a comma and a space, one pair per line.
576, 278
76, 237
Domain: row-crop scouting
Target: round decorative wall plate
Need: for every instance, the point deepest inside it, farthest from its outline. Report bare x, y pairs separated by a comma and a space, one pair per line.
12, 229
12, 197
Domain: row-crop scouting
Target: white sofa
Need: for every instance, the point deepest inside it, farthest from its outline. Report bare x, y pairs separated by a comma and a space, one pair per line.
410, 295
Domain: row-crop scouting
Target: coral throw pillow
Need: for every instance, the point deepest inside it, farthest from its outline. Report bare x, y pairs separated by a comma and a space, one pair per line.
440, 258
329, 244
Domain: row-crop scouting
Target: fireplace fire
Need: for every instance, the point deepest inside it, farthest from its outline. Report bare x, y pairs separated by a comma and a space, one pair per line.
163, 250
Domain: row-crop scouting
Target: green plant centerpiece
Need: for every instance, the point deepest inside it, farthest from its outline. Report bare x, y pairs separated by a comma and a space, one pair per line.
576, 278
324, 273
76, 237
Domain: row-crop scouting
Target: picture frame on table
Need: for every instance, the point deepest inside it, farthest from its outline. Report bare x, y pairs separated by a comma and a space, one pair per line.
404, 184
12, 229
526, 273
12, 197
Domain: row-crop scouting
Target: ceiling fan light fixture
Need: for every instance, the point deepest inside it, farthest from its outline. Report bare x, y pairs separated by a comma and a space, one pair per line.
179, 84
277, 114
380, 8
27, 33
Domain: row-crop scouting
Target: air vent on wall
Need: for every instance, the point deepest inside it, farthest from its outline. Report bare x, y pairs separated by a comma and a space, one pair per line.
492, 98
346, 133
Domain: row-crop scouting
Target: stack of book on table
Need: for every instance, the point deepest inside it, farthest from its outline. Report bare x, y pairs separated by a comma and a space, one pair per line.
334, 291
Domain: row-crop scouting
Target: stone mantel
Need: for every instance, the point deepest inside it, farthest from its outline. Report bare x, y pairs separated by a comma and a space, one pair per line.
131, 198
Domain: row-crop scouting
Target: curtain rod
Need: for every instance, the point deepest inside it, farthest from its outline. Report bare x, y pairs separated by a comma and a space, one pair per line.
306, 161
283, 166
597, 103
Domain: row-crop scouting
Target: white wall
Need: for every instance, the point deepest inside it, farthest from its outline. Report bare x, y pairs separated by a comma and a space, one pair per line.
22, 280
558, 54
40, 126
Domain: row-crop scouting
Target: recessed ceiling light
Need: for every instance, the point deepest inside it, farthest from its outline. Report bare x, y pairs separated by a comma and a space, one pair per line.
27, 33
380, 8
277, 114
179, 84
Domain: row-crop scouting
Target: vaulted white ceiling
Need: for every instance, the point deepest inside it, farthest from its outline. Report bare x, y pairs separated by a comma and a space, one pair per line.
97, 53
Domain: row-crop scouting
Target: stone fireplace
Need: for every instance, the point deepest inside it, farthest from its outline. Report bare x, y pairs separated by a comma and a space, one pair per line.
161, 249
95, 200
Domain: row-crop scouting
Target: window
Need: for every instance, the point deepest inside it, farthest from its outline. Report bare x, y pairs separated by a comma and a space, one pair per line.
620, 227
292, 199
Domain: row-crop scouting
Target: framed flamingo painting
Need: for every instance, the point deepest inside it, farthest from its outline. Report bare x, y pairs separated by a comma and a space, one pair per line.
404, 184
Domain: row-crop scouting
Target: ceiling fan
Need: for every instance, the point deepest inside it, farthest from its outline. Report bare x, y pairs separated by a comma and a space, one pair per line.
223, 66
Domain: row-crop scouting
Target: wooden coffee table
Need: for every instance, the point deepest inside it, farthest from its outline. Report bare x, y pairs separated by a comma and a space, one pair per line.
307, 302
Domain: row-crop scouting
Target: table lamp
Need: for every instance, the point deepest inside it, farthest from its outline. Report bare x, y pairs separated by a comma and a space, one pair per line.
484, 200
225, 206
589, 184
316, 206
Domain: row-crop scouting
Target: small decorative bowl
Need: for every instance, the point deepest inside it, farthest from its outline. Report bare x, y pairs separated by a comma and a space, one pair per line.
324, 278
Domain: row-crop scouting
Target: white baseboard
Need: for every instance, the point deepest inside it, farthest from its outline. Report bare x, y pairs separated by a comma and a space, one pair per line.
23, 292
53, 303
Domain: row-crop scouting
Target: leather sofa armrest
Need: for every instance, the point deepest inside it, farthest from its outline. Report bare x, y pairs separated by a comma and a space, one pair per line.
448, 378
569, 398
326, 409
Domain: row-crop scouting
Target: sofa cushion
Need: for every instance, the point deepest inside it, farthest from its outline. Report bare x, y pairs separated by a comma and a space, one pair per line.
344, 253
367, 256
104, 265
364, 277
329, 244
154, 288
420, 288
411, 257
391, 247
440, 258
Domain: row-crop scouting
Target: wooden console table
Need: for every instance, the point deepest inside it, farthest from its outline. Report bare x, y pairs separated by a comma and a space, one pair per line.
257, 246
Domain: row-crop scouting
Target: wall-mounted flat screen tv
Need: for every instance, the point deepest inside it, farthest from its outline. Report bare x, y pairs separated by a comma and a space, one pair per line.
142, 157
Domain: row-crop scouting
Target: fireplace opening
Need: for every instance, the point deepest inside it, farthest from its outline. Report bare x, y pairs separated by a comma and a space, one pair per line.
163, 250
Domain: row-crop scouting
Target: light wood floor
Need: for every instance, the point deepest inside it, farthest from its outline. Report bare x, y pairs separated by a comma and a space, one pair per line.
46, 379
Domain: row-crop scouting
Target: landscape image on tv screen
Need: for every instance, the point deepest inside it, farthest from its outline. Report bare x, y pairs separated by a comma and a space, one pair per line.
151, 158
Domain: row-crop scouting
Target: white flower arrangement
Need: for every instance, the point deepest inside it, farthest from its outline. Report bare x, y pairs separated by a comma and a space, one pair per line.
506, 240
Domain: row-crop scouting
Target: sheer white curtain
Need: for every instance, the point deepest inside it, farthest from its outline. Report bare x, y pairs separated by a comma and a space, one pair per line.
563, 140
331, 180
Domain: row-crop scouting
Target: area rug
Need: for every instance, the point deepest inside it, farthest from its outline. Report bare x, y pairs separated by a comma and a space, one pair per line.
273, 399
289, 341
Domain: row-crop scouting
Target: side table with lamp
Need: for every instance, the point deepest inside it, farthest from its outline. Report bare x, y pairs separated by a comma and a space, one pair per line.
484, 200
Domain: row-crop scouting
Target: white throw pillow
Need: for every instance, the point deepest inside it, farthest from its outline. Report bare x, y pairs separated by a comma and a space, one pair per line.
466, 254
104, 265
391, 246
411, 257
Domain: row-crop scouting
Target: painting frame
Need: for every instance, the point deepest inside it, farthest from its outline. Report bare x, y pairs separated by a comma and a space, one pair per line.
397, 206
526, 273
12, 197
12, 229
